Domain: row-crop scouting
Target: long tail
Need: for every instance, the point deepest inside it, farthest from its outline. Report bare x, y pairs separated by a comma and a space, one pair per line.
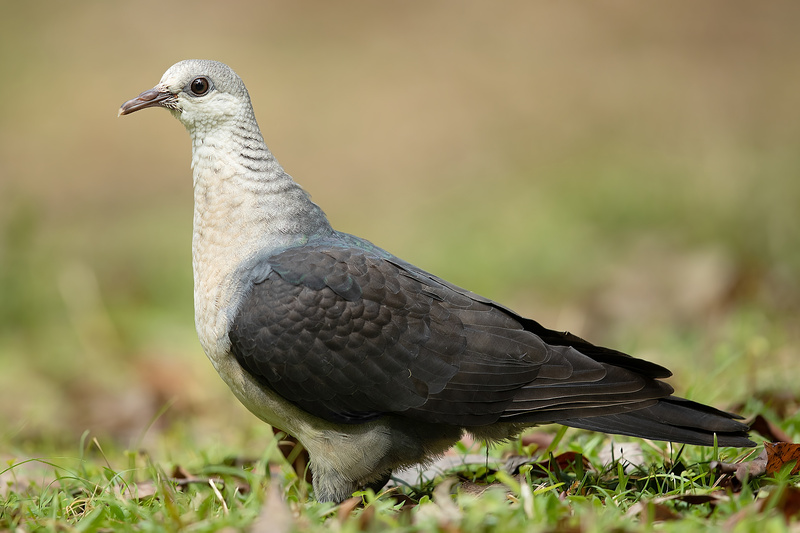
672, 419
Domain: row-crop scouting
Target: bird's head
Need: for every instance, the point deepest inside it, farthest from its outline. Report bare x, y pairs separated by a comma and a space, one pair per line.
204, 95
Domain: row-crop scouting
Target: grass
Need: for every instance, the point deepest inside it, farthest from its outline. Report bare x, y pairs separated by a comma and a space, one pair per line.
627, 174
678, 489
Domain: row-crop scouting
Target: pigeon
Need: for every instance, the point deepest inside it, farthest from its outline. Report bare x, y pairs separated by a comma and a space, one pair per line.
372, 363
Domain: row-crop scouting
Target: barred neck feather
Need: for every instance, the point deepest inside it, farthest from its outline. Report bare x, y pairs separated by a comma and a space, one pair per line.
245, 204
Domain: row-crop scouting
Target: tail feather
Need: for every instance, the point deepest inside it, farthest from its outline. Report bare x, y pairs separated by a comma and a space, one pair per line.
672, 419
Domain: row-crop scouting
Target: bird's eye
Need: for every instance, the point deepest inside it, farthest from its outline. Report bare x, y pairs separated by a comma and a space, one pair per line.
199, 86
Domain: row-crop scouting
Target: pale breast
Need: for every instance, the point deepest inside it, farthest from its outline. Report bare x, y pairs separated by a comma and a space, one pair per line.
225, 236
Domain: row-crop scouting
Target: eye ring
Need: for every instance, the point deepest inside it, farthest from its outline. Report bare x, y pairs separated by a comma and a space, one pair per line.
200, 86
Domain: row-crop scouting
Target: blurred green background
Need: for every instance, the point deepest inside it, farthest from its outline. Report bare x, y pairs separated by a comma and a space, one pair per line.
627, 171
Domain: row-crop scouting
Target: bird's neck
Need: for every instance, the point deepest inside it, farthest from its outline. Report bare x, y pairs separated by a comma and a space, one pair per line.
242, 191
245, 205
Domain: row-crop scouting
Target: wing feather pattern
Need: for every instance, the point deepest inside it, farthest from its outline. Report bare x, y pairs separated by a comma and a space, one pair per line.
350, 333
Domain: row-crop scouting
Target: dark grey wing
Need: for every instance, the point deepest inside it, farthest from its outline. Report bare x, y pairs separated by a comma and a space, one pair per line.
551, 337
345, 335
349, 334
344, 339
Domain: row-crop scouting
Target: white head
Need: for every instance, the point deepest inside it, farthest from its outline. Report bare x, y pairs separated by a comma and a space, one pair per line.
204, 95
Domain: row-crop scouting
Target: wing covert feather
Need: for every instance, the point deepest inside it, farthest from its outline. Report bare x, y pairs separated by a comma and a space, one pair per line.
349, 334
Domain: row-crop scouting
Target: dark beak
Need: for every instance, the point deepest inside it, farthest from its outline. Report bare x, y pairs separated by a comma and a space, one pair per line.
156, 97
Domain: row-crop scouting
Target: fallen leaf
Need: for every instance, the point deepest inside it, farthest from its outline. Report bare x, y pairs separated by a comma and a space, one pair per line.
768, 430
780, 454
347, 507
737, 472
179, 472
755, 468
773, 458
366, 518
699, 499
652, 511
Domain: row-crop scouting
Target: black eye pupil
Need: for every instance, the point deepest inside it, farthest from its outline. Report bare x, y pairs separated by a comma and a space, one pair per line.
199, 86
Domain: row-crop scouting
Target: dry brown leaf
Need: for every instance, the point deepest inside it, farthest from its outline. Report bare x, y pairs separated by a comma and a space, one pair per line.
768, 430
773, 458
699, 499
179, 472
652, 511
780, 454
347, 507
366, 518
756, 467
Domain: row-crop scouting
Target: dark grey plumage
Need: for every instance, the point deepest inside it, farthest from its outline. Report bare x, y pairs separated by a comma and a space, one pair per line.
371, 362
350, 333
